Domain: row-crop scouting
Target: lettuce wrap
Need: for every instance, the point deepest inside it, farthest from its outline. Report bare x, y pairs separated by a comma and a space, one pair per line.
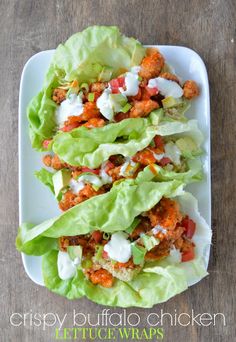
126, 197
157, 282
92, 147
84, 56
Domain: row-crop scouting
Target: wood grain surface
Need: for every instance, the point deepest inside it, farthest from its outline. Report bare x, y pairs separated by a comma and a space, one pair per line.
30, 26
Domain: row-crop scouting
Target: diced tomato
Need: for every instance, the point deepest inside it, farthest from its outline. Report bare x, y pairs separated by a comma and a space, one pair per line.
69, 127
164, 161
121, 81
109, 165
152, 91
97, 236
87, 169
115, 90
189, 226
46, 143
188, 255
116, 83
105, 255
158, 141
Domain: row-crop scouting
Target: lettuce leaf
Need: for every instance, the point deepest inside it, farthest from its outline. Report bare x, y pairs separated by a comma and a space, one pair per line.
83, 57
157, 173
145, 290
102, 212
45, 177
156, 283
39, 246
90, 148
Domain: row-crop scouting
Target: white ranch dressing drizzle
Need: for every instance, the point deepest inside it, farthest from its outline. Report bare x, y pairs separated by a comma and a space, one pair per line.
76, 186
72, 106
131, 82
118, 248
171, 151
166, 87
66, 267
128, 166
106, 179
104, 102
159, 229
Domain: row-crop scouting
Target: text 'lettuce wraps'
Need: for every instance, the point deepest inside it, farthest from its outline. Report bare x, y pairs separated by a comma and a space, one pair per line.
100, 76
168, 156
137, 245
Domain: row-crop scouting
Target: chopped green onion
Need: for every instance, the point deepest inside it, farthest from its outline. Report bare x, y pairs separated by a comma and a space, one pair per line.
126, 108
85, 86
138, 253
98, 254
140, 78
91, 97
149, 241
87, 263
133, 225
74, 252
105, 74
106, 236
152, 143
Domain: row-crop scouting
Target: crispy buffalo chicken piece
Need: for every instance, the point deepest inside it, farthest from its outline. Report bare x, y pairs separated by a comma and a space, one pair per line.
160, 251
88, 242
90, 111
114, 173
143, 227
166, 214
144, 157
129, 264
152, 64
70, 199
77, 240
143, 108
101, 277
98, 87
190, 89
54, 162
186, 245
57, 164
121, 116
169, 76
94, 122
59, 95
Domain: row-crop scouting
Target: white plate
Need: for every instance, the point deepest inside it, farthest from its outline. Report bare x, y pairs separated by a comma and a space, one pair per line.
37, 204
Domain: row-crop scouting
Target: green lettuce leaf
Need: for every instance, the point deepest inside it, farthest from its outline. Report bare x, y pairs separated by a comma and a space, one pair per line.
84, 56
102, 212
145, 290
157, 173
45, 177
92, 147
39, 246
156, 283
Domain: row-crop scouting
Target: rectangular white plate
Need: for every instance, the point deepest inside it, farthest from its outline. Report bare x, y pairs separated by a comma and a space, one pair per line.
37, 204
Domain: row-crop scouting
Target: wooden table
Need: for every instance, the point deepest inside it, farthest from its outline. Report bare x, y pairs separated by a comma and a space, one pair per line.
29, 26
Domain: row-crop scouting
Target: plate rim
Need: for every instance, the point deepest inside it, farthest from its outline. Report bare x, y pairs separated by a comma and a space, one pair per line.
20, 118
